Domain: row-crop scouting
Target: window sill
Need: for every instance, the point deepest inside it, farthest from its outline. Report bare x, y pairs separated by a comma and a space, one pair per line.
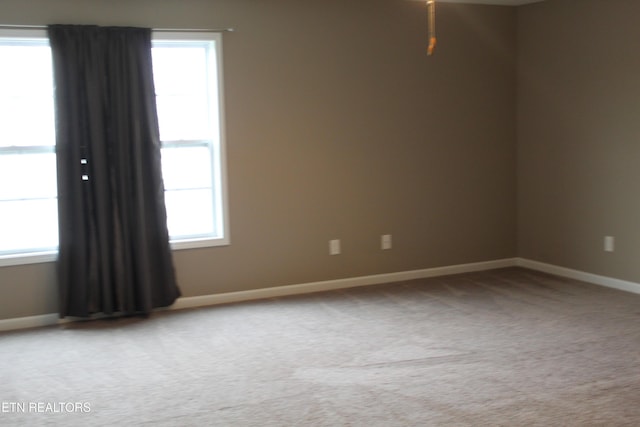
29, 258
52, 256
177, 245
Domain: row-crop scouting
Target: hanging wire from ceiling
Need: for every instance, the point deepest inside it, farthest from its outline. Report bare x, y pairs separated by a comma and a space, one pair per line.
431, 26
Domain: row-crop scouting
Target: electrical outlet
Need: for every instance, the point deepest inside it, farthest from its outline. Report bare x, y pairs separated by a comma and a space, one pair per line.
609, 243
334, 247
385, 241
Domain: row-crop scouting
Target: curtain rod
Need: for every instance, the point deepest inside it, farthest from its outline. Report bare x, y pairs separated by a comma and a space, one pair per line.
170, 30
195, 30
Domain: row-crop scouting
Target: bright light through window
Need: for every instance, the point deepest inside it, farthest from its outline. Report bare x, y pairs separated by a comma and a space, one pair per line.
187, 81
28, 191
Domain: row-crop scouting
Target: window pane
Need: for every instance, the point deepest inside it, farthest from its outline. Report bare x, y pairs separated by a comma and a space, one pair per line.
186, 167
183, 118
28, 224
189, 212
27, 176
179, 70
26, 120
26, 70
26, 94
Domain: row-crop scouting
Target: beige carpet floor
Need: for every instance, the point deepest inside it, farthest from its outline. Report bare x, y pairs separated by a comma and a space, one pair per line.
508, 347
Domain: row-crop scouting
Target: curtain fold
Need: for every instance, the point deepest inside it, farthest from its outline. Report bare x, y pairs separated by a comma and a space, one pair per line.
114, 254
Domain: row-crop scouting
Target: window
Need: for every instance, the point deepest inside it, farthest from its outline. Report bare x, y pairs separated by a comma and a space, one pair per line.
187, 75
188, 80
28, 191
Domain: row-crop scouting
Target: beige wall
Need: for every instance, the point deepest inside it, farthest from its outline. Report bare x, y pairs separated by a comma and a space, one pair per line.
338, 126
579, 134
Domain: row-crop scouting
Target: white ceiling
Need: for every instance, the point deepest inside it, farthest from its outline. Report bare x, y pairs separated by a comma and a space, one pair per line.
500, 2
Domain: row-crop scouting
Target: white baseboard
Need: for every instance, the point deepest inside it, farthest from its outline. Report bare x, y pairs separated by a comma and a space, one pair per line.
305, 288
595, 279
328, 285
279, 291
29, 322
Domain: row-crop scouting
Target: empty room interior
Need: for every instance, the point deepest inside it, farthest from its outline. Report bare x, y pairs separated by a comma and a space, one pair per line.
472, 211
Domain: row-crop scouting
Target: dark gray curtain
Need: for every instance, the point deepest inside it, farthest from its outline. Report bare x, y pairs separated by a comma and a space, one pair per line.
114, 246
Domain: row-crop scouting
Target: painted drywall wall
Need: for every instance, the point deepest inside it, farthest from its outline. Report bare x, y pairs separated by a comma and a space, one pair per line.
338, 127
578, 135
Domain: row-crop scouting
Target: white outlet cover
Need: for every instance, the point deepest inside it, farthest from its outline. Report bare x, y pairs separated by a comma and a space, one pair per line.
334, 247
609, 243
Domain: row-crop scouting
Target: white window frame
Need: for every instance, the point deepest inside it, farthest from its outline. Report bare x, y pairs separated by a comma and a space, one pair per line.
39, 255
219, 164
218, 145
